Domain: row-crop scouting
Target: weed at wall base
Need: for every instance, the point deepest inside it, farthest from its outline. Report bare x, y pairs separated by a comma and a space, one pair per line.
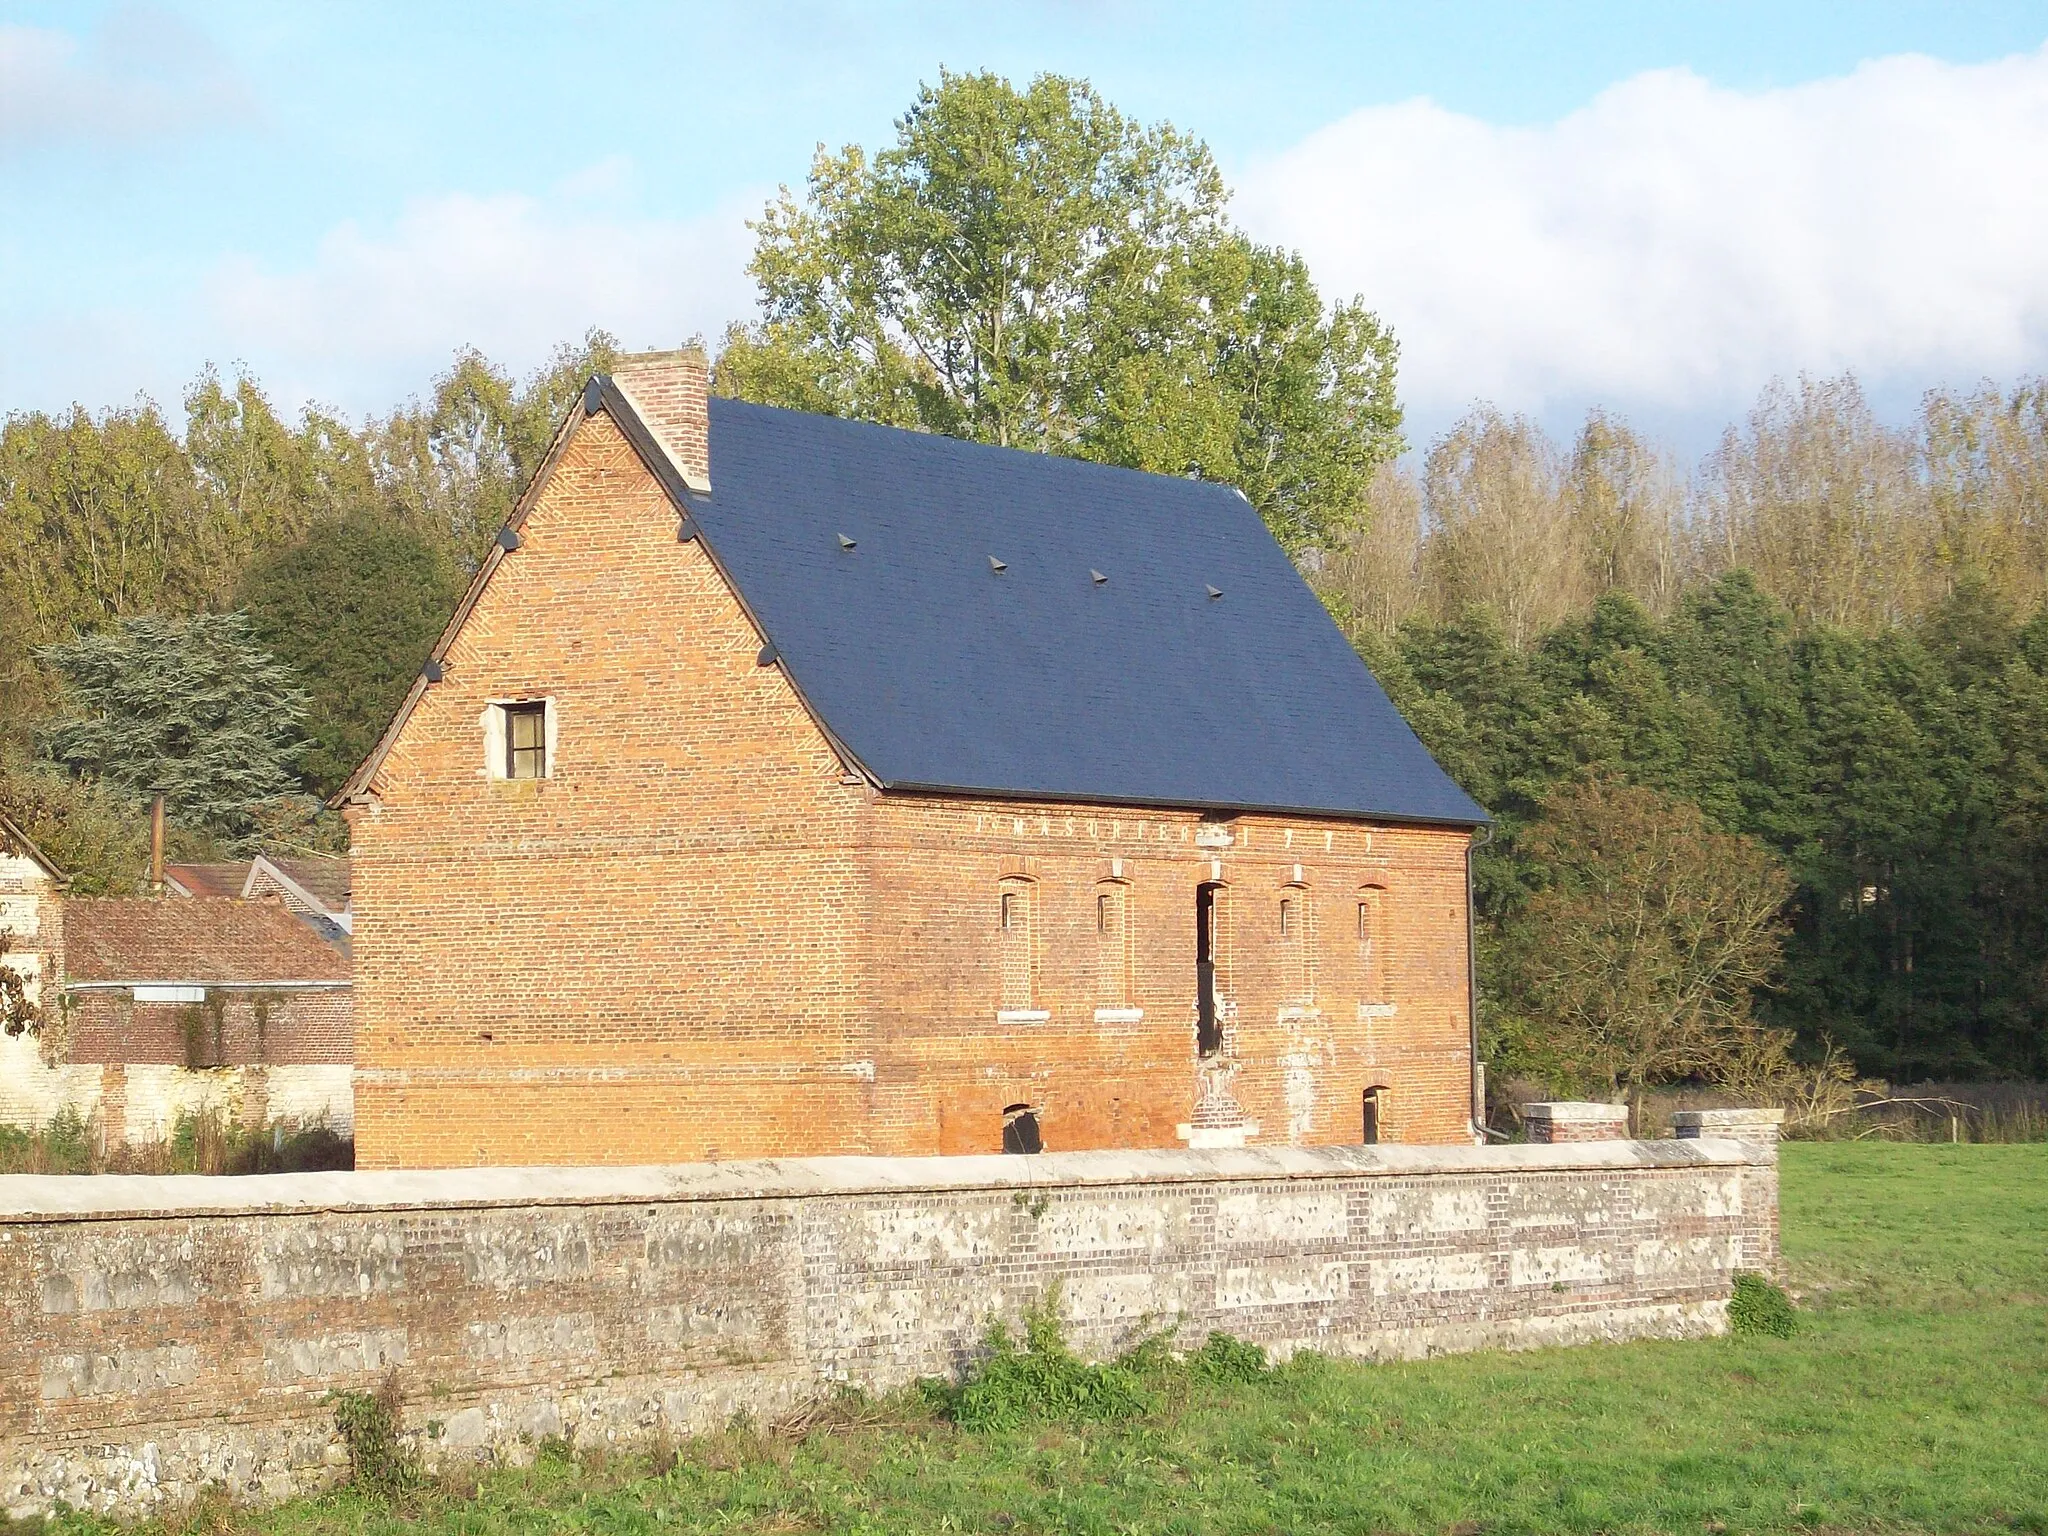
1757, 1307
380, 1462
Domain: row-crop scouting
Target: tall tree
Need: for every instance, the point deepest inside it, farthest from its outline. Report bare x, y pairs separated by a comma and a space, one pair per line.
1031, 268
352, 608
450, 469
195, 706
1499, 535
1637, 959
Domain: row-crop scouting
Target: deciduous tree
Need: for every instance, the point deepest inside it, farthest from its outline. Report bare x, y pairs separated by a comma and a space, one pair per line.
1031, 268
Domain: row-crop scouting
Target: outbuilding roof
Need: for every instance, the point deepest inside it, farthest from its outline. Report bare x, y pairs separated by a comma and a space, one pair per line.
204, 941
984, 620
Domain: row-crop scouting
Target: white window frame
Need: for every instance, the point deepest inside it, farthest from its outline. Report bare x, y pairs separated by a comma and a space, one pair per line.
497, 767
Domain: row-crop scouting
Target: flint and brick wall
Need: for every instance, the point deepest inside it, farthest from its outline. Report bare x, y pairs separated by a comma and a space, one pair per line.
168, 1333
699, 937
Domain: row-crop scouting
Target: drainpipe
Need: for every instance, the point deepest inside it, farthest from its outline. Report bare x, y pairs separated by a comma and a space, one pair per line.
156, 843
1477, 1109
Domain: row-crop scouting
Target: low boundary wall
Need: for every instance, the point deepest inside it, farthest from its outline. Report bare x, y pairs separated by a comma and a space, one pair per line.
160, 1334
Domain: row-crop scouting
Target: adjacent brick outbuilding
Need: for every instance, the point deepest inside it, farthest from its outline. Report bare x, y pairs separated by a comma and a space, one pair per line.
788, 786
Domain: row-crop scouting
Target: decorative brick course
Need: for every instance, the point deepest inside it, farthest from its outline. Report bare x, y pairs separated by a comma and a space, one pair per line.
165, 1333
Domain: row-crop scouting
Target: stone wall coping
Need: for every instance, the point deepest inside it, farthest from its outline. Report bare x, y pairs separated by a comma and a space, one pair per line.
35, 1197
1709, 1118
1576, 1111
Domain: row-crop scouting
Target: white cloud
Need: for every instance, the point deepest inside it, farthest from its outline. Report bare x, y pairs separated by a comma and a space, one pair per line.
140, 74
376, 312
1672, 245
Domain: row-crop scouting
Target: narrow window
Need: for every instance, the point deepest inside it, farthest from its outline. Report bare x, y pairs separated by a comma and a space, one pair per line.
1112, 946
1015, 946
1020, 1129
526, 741
1286, 917
1372, 944
1374, 1098
1208, 1030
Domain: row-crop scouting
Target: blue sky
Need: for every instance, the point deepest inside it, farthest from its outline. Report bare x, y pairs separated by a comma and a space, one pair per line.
1650, 208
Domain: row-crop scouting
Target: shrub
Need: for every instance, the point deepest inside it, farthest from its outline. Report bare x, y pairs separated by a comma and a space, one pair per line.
1227, 1361
1044, 1381
380, 1462
1759, 1307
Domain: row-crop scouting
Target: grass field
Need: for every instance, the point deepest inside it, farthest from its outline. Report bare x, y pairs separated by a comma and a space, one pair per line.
1914, 1398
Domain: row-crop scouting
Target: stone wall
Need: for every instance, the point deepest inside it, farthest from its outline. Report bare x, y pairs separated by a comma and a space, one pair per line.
167, 1333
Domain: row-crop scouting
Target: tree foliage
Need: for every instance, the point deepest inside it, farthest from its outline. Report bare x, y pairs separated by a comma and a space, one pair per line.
195, 706
1898, 777
1030, 268
96, 832
353, 609
1639, 952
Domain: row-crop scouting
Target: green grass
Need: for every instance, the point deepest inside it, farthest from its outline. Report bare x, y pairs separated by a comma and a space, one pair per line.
1914, 1397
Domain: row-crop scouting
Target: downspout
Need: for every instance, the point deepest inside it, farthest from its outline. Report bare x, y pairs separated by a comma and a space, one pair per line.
1477, 1109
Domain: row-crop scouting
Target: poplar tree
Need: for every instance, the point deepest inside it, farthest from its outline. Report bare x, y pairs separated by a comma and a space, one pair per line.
1033, 269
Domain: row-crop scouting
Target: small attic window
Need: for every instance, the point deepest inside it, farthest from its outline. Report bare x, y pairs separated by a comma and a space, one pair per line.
526, 741
519, 739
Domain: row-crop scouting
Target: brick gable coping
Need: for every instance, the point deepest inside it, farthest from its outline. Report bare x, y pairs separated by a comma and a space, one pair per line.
14, 840
201, 941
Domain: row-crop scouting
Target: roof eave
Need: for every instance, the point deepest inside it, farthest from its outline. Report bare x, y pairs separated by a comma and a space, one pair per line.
1207, 807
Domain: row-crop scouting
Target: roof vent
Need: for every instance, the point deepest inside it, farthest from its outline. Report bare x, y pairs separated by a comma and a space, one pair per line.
845, 542
768, 655
1215, 592
508, 540
1097, 577
998, 566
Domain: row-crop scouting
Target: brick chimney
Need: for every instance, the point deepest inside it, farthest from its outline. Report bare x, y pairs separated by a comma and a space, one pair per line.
670, 390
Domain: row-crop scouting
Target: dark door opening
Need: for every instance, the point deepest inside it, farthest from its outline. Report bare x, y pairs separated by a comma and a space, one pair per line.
1020, 1129
1208, 1033
1372, 1116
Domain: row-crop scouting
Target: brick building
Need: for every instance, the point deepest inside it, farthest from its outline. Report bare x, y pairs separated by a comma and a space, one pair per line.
786, 785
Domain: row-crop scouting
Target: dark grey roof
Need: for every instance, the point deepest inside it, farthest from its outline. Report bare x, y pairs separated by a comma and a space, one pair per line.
936, 670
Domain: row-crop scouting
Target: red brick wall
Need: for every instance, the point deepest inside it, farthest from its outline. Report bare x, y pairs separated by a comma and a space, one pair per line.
946, 1067
297, 1028
698, 939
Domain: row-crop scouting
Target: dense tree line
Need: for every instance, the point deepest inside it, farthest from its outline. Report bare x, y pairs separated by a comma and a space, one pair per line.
1896, 774
1765, 739
126, 547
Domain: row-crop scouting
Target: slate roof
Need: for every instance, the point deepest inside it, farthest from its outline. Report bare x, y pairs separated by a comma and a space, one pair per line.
201, 941
937, 671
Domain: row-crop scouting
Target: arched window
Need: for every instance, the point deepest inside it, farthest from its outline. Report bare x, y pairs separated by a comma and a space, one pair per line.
1375, 1117
1297, 945
1372, 944
1112, 944
1016, 943
1020, 1129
